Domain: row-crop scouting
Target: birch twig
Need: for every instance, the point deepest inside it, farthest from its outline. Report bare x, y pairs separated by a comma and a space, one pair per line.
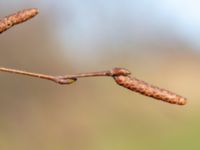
120, 75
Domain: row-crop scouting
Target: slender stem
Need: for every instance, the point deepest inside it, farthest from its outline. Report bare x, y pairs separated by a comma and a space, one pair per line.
68, 79
38, 75
43, 76
121, 77
111, 73
88, 74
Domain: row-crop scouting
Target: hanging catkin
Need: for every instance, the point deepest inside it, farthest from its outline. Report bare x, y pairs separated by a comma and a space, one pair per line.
149, 90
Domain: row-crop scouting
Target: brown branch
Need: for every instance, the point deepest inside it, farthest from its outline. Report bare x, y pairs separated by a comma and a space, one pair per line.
56, 79
17, 18
120, 75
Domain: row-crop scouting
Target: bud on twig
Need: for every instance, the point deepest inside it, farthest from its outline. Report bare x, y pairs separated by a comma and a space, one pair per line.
120, 75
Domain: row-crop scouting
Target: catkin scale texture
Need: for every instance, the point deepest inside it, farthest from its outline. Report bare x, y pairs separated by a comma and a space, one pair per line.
149, 90
17, 18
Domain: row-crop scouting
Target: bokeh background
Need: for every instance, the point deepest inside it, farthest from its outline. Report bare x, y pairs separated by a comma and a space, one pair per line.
157, 40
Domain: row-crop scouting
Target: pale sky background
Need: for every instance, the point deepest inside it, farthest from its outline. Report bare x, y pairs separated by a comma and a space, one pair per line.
181, 16
91, 27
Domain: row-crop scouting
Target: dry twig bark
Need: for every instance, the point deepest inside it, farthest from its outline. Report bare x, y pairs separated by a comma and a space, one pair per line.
120, 75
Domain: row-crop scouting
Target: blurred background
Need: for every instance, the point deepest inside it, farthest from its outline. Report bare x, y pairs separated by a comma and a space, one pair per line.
157, 40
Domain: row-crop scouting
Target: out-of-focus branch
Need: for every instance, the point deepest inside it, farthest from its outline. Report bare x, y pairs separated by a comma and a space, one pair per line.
17, 18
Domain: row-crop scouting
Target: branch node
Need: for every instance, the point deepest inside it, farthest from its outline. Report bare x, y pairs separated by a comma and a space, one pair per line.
62, 80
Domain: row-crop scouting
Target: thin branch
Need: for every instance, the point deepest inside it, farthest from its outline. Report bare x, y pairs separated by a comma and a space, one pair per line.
17, 18
56, 79
120, 75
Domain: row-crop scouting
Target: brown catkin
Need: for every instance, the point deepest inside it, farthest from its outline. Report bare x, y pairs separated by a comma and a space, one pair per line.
149, 90
19, 17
